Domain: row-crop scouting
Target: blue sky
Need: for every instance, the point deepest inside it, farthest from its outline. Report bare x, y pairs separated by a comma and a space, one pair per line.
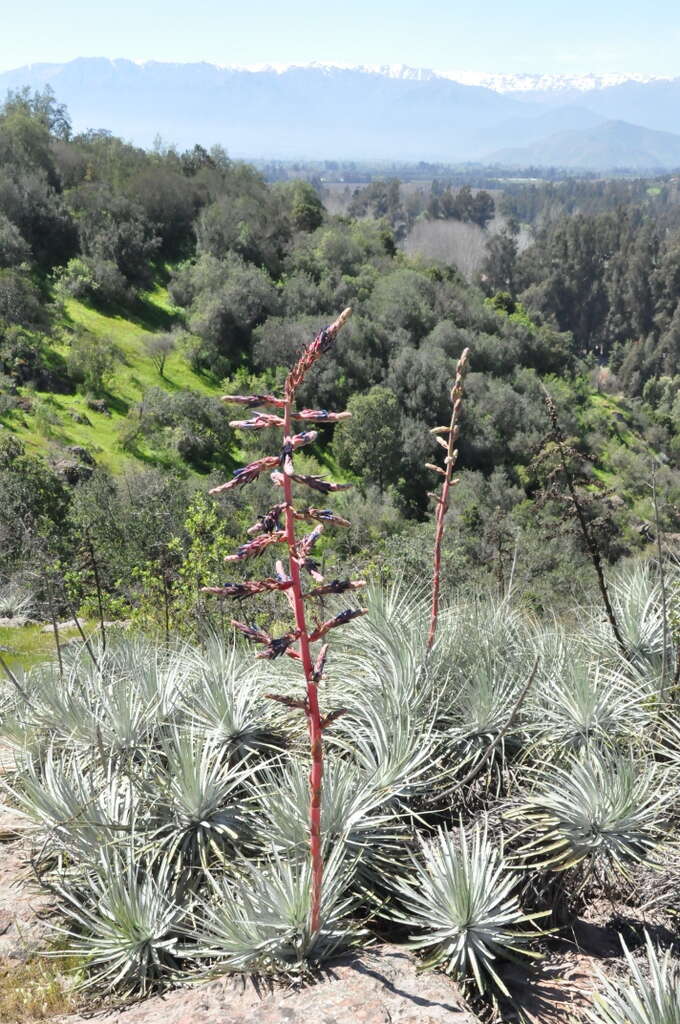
527, 35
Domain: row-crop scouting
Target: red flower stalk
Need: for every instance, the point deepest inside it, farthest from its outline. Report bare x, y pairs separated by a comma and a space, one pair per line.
324, 515
268, 521
258, 422
266, 419
279, 645
306, 544
452, 433
321, 415
297, 642
322, 343
258, 636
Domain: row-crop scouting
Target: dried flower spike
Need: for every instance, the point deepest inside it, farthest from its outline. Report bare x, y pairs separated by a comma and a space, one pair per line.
453, 431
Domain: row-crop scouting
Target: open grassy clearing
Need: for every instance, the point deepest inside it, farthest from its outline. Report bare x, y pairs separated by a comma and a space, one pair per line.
23, 647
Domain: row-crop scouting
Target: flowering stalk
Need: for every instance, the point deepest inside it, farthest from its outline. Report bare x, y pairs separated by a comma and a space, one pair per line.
451, 433
277, 526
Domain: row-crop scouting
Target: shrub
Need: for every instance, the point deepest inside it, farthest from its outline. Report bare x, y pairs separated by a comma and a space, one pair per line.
195, 426
26, 358
91, 362
14, 249
94, 279
20, 301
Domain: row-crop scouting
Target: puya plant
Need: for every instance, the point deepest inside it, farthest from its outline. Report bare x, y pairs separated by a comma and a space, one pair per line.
447, 438
650, 994
462, 899
278, 526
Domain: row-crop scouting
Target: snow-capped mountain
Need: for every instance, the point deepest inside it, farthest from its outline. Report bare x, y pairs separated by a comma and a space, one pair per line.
525, 83
502, 82
398, 71
373, 112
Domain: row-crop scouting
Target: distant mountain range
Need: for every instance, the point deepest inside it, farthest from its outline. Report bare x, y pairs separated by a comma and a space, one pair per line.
389, 112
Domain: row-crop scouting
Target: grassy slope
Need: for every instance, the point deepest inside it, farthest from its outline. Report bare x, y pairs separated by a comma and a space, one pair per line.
611, 416
134, 374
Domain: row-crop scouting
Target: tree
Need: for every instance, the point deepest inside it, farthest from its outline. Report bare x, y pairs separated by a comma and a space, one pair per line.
226, 299
158, 348
42, 106
170, 202
498, 268
115, 229
306, 209
34, 507
370, 442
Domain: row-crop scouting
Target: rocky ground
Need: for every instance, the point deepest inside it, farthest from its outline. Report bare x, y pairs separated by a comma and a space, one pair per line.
380, 986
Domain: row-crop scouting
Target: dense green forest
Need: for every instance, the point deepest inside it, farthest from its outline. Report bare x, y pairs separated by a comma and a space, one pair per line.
136, 287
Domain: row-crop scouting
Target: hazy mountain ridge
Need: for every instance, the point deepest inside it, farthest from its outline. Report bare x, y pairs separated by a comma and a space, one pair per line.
325, 111
615, 144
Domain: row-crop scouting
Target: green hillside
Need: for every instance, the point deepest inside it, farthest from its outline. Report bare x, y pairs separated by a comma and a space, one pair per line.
77, 424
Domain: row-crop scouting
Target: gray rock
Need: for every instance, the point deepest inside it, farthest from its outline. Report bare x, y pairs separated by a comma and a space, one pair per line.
98, 405
18, 620
378, 987
72, 471
82, 454
70, 624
